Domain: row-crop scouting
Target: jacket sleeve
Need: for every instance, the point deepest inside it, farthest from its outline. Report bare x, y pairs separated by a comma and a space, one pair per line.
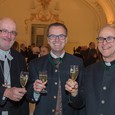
2, 98
33, 75
79, 101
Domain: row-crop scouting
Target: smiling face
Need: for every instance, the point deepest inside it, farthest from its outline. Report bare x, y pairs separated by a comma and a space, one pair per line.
107, 49
57, 44
7, 33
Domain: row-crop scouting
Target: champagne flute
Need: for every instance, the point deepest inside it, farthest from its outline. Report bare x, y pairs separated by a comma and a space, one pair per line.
43, 78
24, 78
74, 71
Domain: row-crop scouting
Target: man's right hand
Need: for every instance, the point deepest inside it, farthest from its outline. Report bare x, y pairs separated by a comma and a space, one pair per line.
39, 86
14, 93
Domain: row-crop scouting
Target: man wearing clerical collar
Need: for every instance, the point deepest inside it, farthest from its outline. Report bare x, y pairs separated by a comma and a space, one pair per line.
97, 93
12, 99
106, 43
57, 64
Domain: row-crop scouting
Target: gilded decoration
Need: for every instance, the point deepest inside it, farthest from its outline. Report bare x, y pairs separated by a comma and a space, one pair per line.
43, 11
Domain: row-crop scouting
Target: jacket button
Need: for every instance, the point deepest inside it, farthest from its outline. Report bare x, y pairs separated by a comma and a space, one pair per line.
103, 101
53, 110
54, 97
55, 83
56, 70
104, 87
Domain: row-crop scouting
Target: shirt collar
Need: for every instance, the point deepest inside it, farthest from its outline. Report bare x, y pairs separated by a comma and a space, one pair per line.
5, 53
107, 63
110, 63
54, 56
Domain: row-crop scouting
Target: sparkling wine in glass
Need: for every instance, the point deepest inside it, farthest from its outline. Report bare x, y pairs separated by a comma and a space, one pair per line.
74, 71
43, 78
24, 78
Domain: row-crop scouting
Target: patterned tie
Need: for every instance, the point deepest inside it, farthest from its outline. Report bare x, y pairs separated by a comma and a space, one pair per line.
59, 101
59, 97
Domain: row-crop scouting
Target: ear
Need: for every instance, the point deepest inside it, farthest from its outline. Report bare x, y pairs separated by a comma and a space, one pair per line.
66, 39
48, 41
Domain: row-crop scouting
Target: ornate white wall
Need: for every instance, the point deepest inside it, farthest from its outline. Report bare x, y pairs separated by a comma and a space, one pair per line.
82, 17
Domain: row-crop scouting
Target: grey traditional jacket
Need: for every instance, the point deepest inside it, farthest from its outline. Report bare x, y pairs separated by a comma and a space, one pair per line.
47, 102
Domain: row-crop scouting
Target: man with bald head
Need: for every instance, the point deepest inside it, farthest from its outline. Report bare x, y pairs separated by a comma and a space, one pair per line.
12, 99
98, 90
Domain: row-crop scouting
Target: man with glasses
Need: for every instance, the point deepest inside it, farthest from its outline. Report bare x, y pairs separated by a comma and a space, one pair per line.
12, 100
57, 64
98, 90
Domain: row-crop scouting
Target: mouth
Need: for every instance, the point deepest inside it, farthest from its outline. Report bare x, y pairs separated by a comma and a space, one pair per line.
57, 44
106, 48
7, 39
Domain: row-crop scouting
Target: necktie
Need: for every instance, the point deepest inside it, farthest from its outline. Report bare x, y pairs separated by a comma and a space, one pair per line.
6, 73
59, 97
58, 61
59, 101
4, 56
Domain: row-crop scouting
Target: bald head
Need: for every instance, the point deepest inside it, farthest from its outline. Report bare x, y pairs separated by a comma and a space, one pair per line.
107, 27
106, 45
7, 23
7, 33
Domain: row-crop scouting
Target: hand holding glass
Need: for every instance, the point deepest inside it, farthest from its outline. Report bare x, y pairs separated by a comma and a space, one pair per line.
24, 78
74, 71
43, 78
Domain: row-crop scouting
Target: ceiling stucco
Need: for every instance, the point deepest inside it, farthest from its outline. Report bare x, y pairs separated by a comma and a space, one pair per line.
108, 7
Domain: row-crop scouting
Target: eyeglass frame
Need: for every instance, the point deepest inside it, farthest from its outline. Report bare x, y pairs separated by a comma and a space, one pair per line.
6, 32
109, 39
60, 36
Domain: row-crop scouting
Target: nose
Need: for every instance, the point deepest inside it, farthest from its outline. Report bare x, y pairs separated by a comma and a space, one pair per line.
57, 38
9, 35
104, 41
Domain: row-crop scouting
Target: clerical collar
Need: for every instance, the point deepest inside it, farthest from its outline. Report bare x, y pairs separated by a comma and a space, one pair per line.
110, 63
54, 56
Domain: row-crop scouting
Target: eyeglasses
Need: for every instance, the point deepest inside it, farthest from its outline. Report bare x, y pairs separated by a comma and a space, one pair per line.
109, 39
6, 32
60, 36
